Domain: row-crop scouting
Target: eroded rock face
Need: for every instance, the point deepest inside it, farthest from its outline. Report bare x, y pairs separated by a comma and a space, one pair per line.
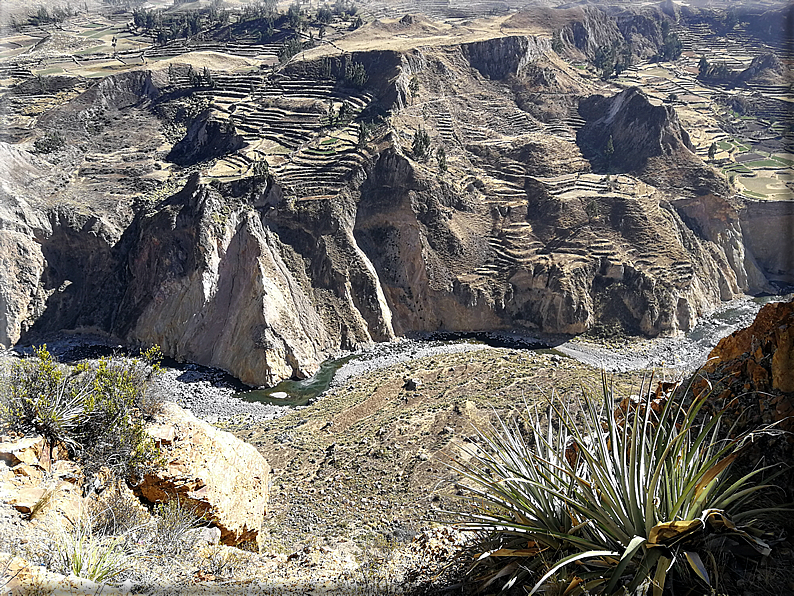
718, 221
750, 374
498, 58
212, 287
639, 130
589, 29
765, 68
768, 227
214, 472
207, 137
447, 263
767, 343
228, 287
647, 139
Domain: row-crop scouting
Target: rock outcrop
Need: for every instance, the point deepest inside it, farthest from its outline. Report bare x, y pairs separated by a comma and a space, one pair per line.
463, 268
208, 136
498, 58
639, 129
768, 232
210, 470
750, 374
718, 222
25, 578
40, 482
764, 355
766, 68
647, 139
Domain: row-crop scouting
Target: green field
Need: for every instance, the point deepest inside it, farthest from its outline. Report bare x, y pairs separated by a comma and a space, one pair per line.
764, 163
730, 144
95, 50
737, 168
321, 151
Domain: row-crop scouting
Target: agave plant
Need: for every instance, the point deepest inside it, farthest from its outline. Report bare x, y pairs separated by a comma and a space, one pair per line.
624, 494
97, 558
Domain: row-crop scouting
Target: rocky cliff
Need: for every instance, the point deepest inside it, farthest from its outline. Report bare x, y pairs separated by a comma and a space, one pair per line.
768, 229
207, 137
647, 139
498, 58
348, 241
750, 374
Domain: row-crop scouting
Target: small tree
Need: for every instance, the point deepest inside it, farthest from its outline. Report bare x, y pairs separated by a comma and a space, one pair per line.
363, 136
703, 67
288, 49
712, 151
413, 87
331, 114
324, 15
671, 50
356, 74
421, 144
208, 80
441, 157
605, 61
49, 143
261, 170
609, 151
345, 112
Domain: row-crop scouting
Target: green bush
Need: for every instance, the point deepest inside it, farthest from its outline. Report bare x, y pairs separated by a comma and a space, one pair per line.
96, 558
95, 410
49, 143
626, 495
420, 146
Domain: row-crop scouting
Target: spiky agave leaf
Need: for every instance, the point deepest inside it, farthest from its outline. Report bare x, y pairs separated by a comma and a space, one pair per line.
618, 495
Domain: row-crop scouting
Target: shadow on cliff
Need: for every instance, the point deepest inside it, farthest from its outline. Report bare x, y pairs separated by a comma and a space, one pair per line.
88, 279
626, 133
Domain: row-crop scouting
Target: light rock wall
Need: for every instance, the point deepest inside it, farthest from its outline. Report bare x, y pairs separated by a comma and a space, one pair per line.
768, 230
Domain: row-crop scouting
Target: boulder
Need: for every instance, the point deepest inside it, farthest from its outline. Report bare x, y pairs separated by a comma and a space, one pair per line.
26, 499
212, 471
26, 450
34, 451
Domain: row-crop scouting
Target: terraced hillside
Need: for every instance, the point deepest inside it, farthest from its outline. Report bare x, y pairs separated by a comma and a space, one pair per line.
404, 176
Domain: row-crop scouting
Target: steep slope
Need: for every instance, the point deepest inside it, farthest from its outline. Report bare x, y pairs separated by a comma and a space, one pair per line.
647, 140
302, 236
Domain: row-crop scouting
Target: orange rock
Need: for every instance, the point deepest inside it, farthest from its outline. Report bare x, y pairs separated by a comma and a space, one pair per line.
27, 498
32, 473
24, 450
213, 471
163, 434
768, 323
783, 359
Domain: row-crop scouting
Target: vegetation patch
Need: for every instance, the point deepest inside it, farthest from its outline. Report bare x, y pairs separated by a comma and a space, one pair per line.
764, 163
95, 410
609, 499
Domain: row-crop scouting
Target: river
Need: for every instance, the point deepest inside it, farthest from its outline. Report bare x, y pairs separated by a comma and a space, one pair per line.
684, 352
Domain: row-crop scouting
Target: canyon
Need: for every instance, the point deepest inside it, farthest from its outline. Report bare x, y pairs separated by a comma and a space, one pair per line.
269, 217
